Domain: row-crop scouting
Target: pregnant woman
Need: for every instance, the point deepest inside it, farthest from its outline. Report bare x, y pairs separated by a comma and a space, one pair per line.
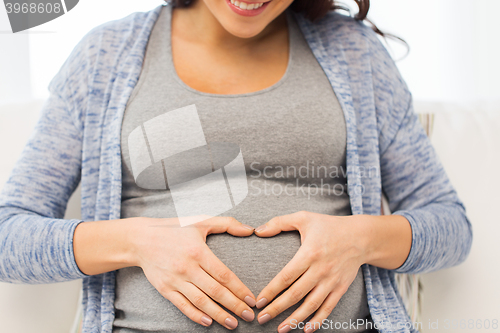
155, 114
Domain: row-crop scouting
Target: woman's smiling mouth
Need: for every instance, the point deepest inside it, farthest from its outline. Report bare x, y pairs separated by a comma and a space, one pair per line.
247, 8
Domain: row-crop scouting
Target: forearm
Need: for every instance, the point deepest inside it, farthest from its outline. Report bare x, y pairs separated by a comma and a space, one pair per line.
35, 249
386, 239
442, 237
103, 246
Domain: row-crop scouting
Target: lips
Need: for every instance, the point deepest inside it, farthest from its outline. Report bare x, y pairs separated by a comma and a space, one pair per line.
245, 8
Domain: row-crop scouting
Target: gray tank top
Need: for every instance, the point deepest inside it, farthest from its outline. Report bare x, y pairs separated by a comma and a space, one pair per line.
288, 139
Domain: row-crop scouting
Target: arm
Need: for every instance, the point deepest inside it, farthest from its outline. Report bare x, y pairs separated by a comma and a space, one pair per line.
428, 230
104, 246
36, 244
386, 239
412, 177
418, 189
176, 260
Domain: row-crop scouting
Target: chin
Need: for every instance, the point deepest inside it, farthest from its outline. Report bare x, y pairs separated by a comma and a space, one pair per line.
241, 26
244, 32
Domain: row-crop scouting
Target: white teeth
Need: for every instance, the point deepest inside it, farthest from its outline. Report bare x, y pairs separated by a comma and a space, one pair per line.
247, 6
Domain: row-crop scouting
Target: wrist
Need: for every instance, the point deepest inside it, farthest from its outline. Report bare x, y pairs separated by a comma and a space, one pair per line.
368, 237
136, 238
386, 239
103, 246
129, 248
364, 229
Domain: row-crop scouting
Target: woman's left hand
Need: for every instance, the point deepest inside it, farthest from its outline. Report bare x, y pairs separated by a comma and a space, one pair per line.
327, 262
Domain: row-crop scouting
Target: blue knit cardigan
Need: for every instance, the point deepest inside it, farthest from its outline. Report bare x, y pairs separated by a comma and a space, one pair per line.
77, 138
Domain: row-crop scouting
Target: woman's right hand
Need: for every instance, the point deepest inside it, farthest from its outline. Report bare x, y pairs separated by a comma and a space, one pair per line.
176, 260
178, 263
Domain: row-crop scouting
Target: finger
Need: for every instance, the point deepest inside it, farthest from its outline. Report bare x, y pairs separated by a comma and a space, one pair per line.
288, 275
187, 308
292, 296
280, 223
311, 303
223, 275
222, 295
200, 300
219, 225
324, 311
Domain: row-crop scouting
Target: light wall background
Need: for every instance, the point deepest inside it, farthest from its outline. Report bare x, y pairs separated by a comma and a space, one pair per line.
454, 46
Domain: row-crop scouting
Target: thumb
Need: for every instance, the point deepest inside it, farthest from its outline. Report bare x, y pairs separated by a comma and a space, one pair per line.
276, 225
218, 225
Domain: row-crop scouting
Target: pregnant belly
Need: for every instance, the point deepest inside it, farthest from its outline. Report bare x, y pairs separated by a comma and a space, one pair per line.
256, 261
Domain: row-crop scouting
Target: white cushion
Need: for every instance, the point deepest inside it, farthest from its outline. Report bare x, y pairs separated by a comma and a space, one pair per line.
48, 308
467, 140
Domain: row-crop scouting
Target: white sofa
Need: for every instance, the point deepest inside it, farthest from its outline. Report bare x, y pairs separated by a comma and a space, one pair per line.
24, 308
467, 139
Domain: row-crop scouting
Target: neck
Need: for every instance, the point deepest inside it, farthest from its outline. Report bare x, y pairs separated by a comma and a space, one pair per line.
197, 24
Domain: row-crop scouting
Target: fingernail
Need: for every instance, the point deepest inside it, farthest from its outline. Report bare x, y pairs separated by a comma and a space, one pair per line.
285, 329
231, 323
261, 228
264, 319
207, 321
261, 303
250, 301
248, 315
246, 226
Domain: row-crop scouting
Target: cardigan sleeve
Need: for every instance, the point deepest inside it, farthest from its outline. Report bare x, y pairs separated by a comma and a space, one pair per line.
413, 178
418, 188
36, 244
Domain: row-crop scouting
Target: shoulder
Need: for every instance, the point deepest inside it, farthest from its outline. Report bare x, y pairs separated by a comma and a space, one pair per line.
350, 41
114, 35
100, 49
366, 65
94, 60
344, 29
